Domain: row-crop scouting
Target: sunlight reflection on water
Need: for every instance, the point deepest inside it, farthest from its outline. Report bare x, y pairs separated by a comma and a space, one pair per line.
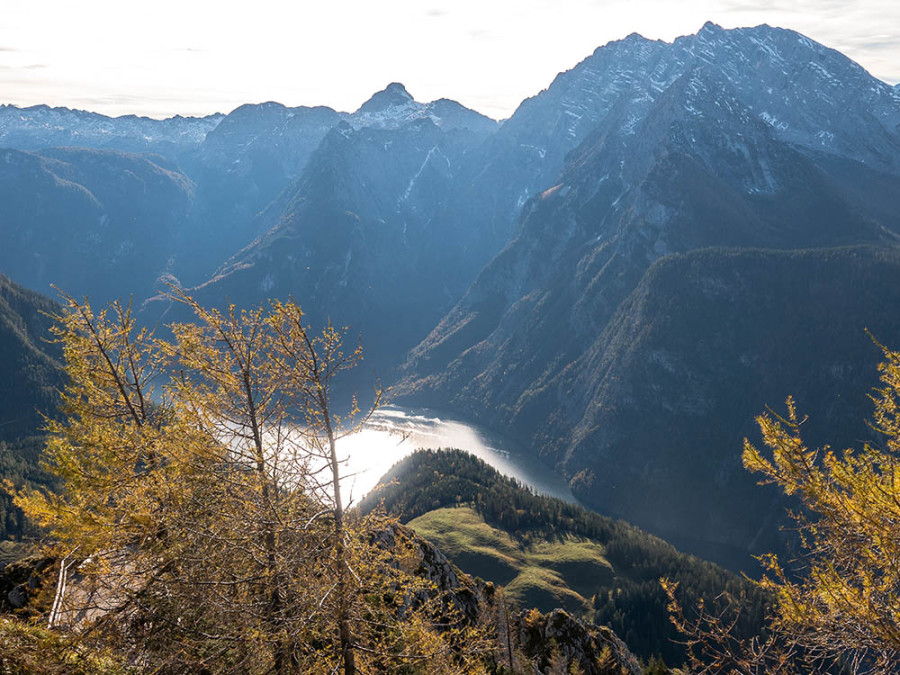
394, 432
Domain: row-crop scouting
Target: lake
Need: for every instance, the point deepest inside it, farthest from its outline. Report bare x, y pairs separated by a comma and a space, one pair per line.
394, 432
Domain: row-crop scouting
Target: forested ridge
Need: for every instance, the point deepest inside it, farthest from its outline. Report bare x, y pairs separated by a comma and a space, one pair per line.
631, 602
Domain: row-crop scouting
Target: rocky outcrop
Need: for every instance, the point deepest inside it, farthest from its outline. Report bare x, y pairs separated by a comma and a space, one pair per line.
541, 642
558, 642
552, 642
21, 583
461, 595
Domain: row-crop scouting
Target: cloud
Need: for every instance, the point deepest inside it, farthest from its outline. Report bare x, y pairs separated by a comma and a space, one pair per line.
811, 7
879, 43
481, 34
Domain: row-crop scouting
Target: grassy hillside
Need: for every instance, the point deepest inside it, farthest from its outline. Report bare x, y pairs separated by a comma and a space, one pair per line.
552, 554
542, 574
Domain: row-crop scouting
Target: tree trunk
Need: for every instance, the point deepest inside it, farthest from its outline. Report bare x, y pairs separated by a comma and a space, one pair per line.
340, 552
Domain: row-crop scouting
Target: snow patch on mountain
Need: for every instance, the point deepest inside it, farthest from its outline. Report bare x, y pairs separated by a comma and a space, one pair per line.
394, 107
41, 126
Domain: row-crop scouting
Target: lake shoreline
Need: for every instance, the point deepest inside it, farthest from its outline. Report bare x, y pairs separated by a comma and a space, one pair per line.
394, 432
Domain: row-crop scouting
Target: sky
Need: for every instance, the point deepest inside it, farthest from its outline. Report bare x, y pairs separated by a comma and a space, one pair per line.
196, 57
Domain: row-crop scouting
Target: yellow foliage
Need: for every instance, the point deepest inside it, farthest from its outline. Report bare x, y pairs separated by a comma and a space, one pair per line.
844, 601
201, 489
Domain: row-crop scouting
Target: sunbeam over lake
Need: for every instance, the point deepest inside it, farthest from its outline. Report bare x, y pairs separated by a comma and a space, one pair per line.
394, 432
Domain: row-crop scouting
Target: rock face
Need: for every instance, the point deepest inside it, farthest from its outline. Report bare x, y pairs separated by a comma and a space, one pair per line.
21, 584
394, 107
560, 640
681, 148
466, 596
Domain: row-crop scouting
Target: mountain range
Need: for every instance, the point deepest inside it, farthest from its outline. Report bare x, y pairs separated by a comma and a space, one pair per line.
646, 254
697, 154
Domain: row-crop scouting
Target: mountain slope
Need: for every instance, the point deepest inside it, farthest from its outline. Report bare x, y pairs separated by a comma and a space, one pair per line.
688, 176
811, 96
704, 344
258, 151
550, 553
691, 162
240, 167
31, 373
93, 222
31, 366
356, 237
648, 419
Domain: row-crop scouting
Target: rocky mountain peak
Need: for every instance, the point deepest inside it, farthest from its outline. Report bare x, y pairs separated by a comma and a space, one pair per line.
631, 38
710, 28
392, 96
394, 107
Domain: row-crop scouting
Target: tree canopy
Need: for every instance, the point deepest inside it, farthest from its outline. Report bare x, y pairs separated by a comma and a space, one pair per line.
200, 503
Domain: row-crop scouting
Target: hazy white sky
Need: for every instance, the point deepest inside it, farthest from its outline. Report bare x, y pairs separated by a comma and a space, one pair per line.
194, 57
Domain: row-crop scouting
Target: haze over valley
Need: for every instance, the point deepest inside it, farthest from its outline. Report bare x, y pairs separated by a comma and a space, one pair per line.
599, 294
